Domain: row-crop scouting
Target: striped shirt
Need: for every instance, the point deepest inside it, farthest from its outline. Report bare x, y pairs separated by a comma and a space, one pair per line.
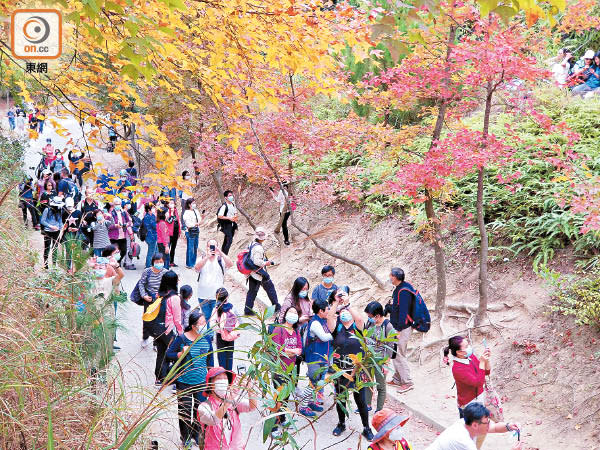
100, 230
193, 368
150, 281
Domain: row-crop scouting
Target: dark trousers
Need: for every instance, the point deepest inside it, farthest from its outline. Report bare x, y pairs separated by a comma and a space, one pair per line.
122, 244
228, 238
163, 250
253, 286
145, 329
342, 384
189, 396
174, 238
162, 365
225, 353
27, 206
50, 242
284, 227
279, 380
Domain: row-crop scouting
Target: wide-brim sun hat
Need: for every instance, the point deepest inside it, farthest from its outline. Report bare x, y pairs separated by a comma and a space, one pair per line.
589, 54
216, 371
260, 233
57, 201
385, 421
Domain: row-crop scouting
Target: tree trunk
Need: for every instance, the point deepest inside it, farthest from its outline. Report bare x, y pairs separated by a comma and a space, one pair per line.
440, 257
484, 281
135, 149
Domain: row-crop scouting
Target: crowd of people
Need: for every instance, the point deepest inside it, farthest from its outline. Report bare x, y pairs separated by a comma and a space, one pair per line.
318, 330
20, 119
581, 76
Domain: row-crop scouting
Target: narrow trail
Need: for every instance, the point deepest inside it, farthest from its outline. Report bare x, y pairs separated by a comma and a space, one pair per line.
136, 364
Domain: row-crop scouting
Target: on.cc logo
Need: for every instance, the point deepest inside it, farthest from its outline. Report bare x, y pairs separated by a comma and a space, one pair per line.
36, 33
36, 30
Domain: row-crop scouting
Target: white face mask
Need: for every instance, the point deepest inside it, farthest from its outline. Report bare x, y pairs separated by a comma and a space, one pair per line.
221, 387
291, 318
396, 435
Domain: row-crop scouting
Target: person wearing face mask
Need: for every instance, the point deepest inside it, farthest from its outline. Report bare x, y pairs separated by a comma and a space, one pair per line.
149, 223
71, 220
162, 233
324, 289
388, 432
288, 340
227, 220
131, 173
184, 194
298, 299
398, 309
78, 164
381, 329
173, 229
52, 224
345, 343
121, 227
100, 229
88, 207
221, 412
148, 287
469, 373
227, 334
190, 349
476, 422
191, 219
211, 276
282, 198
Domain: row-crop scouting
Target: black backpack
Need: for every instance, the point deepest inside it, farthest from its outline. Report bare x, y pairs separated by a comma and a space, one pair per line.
73, 191
221, 222
143, 231
157, 327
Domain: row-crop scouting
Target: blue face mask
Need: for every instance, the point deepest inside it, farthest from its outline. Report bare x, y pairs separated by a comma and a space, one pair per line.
303, 294
345, 316
159, 266
328, 280
102, 260
370, 320
469, 351
117, 207
99, 273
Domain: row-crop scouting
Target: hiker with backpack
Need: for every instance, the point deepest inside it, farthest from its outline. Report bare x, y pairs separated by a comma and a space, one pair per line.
289, 342
26, 202
469, 374
346, 347
133, 248
148, 231
190, 348
476, 422
282, 198
71, 227
121, 227
227, 220
146, 289
163, 320
257, 262
226, 324
67, 187
191, 220
380, 329
317, 350
399, 310
99, 227
211, 276
88, 208
174, 229
52, 223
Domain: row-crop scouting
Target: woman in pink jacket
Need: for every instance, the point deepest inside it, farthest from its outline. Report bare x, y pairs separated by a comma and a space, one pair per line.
220, 414
174, 227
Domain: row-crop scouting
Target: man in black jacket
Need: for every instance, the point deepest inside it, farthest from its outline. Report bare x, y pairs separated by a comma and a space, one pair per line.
399, 311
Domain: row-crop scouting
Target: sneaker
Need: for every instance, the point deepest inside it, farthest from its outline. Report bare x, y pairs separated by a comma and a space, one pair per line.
174, 265
307, 412
367, 433
286, 242
402, 387
339, 429
356, 411
145, 342
315, 407
320, 397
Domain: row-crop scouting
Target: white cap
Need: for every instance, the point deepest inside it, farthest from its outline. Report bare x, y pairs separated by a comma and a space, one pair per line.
117, 201
57, 201
123, 173
589, 54
260, 233
46, 172
69, 203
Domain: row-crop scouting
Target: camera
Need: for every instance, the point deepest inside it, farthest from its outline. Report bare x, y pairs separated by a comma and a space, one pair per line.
212, 248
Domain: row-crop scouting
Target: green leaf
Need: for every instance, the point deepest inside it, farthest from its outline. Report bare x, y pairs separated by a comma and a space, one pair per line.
74, 17
167, 30
268, 427
485, 6
114, 7
135, 433
131, 71
269, 312
176, 4
50, 445
505, 12
132, 27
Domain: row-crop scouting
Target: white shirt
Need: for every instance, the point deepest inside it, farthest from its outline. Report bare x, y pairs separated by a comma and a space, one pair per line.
455, 437
281, 199
257, 256
231, 210
211, 279
191, 218
560, 72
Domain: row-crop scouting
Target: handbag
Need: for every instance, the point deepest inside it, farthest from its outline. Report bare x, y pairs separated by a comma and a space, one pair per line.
136, 296
492, 401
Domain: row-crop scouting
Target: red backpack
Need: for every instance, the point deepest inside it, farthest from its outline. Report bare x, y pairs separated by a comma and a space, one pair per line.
244, 265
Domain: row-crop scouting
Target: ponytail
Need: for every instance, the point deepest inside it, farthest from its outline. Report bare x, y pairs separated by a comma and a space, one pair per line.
452, 347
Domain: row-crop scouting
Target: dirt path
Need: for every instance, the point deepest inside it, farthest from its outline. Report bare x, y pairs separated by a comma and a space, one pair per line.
136, 365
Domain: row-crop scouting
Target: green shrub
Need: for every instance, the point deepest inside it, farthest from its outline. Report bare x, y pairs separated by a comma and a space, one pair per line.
581, 299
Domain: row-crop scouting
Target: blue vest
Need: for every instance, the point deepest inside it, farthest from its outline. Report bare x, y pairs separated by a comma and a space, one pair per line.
317, 350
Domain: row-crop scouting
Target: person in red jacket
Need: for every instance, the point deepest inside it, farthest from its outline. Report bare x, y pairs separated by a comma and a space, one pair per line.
469, 373
174, 228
